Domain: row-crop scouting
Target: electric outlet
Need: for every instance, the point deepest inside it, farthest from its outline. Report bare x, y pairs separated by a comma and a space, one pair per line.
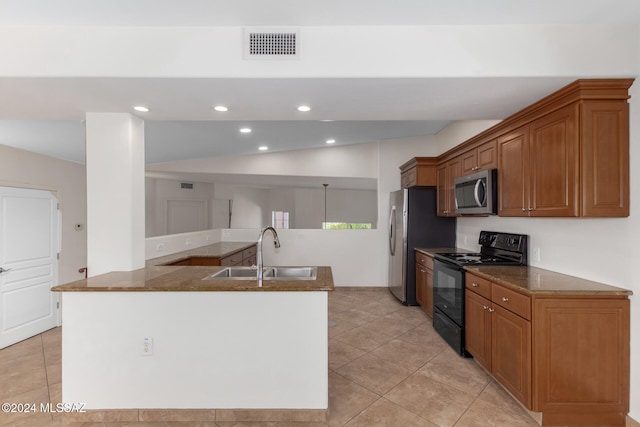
147, 346
536, 254
160, 247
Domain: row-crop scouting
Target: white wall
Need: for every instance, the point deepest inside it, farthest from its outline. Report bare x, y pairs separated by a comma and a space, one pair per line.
158, 192
20, 168
327, 51
210, 350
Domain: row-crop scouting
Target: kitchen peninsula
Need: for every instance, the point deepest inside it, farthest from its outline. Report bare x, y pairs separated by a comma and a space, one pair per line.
162, 337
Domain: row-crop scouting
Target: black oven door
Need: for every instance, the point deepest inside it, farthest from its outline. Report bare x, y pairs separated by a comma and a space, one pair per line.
448, 290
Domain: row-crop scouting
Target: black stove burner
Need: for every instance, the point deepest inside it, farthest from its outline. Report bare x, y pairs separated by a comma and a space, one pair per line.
496, 249
476, 258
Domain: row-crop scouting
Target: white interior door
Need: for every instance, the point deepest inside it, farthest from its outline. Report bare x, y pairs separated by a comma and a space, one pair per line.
29, 263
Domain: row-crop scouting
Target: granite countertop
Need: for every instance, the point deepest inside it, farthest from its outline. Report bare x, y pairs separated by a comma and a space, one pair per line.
533, 280
217, 250
433, 251
190, 279
538, 281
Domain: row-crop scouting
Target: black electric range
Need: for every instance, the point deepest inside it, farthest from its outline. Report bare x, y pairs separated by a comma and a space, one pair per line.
495, 249
448, 280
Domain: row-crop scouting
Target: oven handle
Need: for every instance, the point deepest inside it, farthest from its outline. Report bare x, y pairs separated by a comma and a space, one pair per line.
392, 236
475, 192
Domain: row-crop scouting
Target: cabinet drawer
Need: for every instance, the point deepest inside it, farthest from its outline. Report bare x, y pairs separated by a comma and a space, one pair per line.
234, 259
511, 300
249, 261
424, 260
249, 252
478, 285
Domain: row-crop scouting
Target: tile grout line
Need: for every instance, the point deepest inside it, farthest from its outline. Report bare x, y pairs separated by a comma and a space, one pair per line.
46, 373
471, 404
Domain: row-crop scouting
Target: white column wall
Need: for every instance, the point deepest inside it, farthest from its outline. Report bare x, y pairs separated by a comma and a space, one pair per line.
115, 192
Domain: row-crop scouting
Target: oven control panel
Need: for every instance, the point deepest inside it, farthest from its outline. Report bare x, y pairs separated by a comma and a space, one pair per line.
510, 242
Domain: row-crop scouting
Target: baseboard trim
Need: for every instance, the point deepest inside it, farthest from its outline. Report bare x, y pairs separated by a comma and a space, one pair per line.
631, 422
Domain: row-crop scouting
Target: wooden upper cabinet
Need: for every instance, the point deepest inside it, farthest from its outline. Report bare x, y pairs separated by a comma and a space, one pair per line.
419, 172
570, 160
513, 164
554, 164
480, 158
538, 167
605, 158
447, 172
566, 155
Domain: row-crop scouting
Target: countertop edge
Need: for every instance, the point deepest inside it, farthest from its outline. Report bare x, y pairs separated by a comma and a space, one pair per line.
190, 279
612, 292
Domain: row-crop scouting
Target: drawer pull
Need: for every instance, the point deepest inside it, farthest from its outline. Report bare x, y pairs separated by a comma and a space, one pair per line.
491, 310
474, 284
505, 299
484, 307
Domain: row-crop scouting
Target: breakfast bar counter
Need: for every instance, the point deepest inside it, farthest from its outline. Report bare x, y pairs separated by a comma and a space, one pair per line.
170, 337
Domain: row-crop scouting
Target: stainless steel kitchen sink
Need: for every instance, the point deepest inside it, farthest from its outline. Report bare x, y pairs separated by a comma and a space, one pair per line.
270, 273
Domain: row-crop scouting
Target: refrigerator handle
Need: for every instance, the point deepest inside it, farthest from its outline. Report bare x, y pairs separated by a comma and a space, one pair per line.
392, 235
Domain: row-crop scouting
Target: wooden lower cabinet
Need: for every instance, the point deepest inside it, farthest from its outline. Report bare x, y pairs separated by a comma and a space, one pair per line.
569, 360
511, 353
246, 257
581, 360
424, 282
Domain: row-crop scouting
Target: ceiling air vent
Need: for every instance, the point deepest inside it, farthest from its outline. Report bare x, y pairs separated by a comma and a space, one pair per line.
271, 43
186, 185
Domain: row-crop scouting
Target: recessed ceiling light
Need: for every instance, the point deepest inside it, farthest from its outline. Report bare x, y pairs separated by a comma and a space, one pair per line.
304, 108
220, 108
331, 141
327, 120
245, 130
263, 148
141, 108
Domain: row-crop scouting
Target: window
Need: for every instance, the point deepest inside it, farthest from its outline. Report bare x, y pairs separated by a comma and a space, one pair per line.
345, 226
279, 219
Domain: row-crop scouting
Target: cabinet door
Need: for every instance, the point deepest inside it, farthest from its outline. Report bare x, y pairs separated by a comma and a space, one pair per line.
478, 328
605, 159
553, 164
428, 307
582, 356
421, 285
469, 162
488, 155
442, 189
511, 353
513, 188
454, 170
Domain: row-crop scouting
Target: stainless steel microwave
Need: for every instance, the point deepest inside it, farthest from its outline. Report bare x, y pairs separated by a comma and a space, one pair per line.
476, 194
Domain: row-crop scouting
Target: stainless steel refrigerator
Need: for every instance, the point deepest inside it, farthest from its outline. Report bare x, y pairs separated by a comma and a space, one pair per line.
413, 223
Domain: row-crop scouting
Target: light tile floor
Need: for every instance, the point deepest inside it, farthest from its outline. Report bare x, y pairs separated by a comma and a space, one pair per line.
387, 367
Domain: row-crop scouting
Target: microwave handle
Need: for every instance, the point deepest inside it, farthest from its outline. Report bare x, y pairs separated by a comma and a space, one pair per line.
475, 192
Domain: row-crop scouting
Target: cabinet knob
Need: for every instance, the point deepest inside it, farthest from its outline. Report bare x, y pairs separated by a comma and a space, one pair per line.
524, 209
505, 299
484, 307
491, 310
474, 284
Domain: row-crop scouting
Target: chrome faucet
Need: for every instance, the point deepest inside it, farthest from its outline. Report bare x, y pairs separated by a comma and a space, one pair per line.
260, 261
